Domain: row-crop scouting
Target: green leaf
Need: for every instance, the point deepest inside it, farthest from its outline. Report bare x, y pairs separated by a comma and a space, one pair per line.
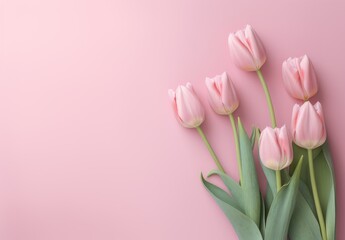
263, 217
249, 184
298, 152
271, 179
308, 197
268, 198
243, 225
303, 224
233, 187
303, 188
330, 216
221, 194
325, 182
254, 136
282, 207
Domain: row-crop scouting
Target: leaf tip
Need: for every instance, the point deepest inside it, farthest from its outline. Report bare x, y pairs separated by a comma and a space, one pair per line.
240, 125
300, 161
202, 177
212, 172
298, 168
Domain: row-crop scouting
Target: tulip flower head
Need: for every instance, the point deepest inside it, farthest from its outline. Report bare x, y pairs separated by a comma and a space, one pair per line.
222, 94
308, 125
299, 77
246, 49
275, 148
187, 106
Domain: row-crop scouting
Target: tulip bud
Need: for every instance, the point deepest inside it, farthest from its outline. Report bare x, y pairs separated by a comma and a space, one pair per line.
246, 49
299, 77
308, 125
275, 148
187, 107
222, 95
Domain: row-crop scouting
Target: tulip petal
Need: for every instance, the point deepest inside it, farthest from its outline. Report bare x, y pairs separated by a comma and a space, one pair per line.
222, 95
240, 54
269, 149
299, 77
255, 46
285, 146
309, 128
171, 94
319, 110
292, 79
215, 99
188, 107
295, 112
229, 97
309, 77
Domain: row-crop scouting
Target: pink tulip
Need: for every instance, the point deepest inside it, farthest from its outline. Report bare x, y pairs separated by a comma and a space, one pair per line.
308, 125
187, 107
275, 148
299, 77
246, 49
222, 94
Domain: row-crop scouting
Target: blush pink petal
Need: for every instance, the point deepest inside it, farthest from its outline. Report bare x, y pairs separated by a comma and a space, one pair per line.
269, 149
222, 94
308, 125
292, 80
229, 96
285, 145
299, 77
256, 47
275, 148
295, 112
319, 110
214, 96
309, 77
246, 49
187, 107
240, 54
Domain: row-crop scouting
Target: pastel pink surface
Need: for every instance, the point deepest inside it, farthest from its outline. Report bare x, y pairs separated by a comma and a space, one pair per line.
89, 146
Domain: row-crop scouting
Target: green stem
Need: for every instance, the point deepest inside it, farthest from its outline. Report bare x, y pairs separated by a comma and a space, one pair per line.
238, 155
315, 194
272, 116
268, 98
210, 149
278, 180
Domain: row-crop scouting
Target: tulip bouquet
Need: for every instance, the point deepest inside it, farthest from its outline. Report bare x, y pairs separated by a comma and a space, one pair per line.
299, 200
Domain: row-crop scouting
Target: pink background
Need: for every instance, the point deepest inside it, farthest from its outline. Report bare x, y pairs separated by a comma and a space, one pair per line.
89, 147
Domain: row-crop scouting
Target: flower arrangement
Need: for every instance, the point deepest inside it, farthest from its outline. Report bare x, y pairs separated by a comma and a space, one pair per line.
299, 201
